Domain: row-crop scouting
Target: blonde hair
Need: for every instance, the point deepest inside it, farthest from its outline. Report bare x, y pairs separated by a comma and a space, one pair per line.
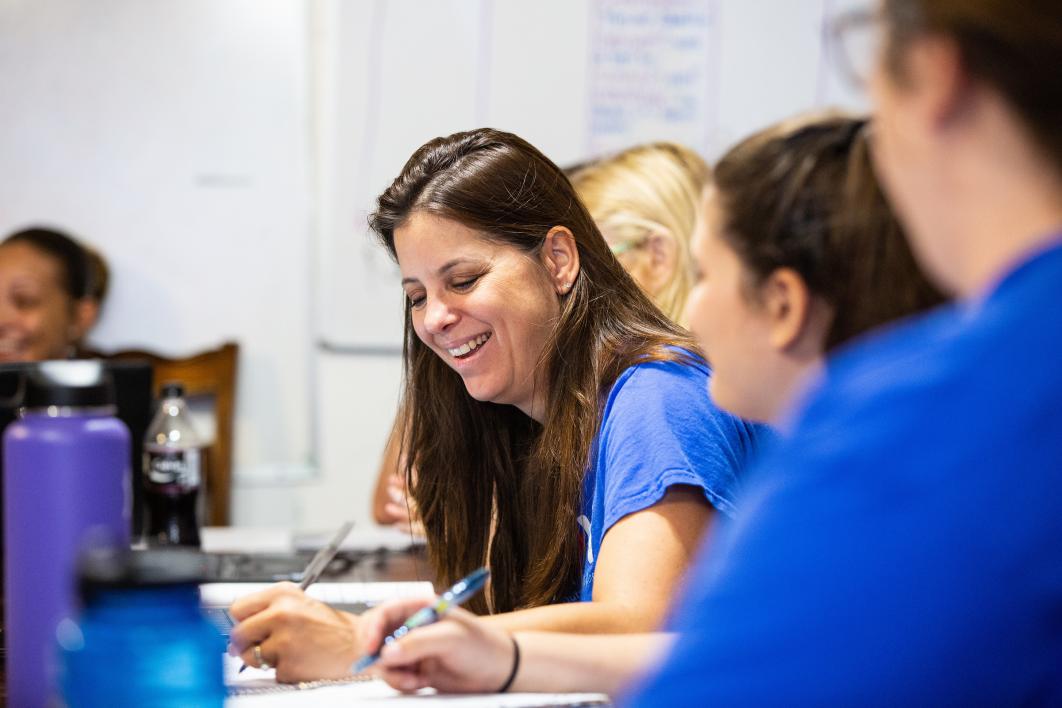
645, 190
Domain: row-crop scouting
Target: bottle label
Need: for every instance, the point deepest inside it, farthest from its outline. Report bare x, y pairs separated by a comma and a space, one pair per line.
176, 469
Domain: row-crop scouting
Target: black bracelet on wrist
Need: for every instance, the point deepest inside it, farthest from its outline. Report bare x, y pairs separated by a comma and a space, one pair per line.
516, 666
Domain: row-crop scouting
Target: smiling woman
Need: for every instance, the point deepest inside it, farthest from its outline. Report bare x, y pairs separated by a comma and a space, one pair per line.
51, 289
644, 201
494, 246
557, 420
488, 309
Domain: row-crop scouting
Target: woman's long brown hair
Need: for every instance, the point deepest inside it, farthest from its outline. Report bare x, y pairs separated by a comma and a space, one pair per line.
490, 481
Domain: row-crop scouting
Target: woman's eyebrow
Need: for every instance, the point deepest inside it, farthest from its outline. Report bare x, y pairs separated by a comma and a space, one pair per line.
449, 265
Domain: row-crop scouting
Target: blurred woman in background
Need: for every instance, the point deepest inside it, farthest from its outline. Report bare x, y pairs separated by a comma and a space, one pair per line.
51, 291
645, 200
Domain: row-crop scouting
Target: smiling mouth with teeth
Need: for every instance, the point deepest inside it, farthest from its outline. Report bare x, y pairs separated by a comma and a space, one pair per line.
469, 346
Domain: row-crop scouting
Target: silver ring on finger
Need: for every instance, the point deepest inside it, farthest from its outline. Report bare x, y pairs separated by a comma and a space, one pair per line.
262, 663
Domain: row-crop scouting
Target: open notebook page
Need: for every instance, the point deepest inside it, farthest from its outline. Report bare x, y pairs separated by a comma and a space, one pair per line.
255, 688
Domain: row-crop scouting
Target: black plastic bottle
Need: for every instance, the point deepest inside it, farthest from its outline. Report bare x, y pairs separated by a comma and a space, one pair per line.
172, 474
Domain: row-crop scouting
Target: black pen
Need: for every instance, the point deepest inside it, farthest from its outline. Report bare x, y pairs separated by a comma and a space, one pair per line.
320, 561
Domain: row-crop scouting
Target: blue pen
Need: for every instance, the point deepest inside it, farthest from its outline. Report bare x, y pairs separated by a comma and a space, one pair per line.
461, 591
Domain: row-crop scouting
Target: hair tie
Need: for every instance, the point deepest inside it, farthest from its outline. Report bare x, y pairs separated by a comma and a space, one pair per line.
516, 666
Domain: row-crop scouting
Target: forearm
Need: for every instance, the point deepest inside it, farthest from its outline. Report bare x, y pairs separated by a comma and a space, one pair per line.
553, 662
389, 467
599, 617
640, 565
379, 504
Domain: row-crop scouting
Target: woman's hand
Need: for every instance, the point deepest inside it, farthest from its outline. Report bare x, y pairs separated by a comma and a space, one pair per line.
459, 654
302, 638
391, 502
400, 510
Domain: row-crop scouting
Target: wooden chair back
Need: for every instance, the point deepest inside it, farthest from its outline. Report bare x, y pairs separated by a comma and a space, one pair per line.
210, 373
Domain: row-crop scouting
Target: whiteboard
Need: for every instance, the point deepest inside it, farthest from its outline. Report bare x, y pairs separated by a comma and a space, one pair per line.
576, 78
172, 135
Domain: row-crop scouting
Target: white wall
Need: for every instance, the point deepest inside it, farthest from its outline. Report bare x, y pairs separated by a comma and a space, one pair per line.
174, 136
223, 155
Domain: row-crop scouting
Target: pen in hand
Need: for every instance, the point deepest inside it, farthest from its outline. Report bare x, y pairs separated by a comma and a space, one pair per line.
320, 561
460, 592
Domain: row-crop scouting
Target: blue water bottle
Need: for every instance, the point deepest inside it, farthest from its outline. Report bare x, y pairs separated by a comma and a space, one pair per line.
66, 479
142, 639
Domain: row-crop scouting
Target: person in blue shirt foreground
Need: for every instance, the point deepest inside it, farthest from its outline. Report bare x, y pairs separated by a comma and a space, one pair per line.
905, 545
557, 420
798, 253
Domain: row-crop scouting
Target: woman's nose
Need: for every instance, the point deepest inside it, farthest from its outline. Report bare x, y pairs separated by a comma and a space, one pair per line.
438, 316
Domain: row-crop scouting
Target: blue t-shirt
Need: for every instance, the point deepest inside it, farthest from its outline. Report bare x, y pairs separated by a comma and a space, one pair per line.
658, 429
904, 546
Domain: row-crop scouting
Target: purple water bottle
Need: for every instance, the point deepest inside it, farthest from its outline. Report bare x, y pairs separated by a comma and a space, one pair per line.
66, 481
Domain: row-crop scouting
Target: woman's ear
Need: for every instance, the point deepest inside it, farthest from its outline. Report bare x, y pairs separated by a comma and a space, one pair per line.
787, 303
560, 256
938, 82
86, 312
662, 254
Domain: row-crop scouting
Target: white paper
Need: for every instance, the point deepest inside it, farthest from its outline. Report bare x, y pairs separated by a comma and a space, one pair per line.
375, 538
224, 594
377, 693
265, 691
245, 539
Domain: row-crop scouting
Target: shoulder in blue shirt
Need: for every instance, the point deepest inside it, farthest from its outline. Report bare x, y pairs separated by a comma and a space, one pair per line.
659, 429
905, 544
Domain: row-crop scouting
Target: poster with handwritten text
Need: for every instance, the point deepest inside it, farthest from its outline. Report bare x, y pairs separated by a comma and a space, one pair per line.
652, 73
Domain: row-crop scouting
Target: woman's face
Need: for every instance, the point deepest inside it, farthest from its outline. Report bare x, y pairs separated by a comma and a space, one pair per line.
37, 319
734, 332
484, 308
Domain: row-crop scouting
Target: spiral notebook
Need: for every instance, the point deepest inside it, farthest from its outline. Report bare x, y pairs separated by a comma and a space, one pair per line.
259, 682
255, 688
